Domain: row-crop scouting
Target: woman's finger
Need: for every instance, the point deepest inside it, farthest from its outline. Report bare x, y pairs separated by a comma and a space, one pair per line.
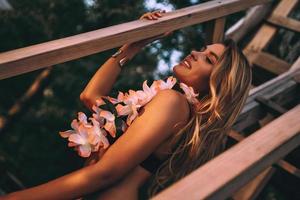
153, 16
158, 14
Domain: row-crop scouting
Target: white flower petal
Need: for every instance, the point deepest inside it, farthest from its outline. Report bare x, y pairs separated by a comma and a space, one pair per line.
66, 134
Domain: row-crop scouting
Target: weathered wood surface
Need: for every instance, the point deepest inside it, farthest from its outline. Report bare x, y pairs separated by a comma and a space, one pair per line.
285, 22
252, 189
252, 18
215, 30
38, 56
283, 87
241, 162
270, 62
266, 32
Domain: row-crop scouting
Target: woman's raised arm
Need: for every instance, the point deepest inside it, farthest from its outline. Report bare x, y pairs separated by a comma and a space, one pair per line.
103, 80
167, 110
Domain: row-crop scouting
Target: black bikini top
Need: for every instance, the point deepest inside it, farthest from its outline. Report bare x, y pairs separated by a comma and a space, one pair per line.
151, 163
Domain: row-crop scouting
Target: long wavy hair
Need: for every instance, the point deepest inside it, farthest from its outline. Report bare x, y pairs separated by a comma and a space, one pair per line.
205, 134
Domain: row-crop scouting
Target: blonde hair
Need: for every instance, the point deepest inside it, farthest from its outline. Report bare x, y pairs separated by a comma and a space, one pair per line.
205, 135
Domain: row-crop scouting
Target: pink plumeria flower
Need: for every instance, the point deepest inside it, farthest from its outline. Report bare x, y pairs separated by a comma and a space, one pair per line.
121, 96
133, 100
82, 120
98, 135
79, 136
189, 93
96, 115
112, 100
161, 85
130, 110
85, 137
110, 122
149, 92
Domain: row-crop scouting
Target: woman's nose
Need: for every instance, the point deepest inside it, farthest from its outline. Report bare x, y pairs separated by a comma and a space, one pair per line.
194, 54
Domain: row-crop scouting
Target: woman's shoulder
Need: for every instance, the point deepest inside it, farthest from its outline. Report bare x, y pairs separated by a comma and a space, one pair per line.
176, 101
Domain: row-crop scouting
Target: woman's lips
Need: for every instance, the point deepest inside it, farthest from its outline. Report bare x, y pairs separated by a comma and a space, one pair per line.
186, 64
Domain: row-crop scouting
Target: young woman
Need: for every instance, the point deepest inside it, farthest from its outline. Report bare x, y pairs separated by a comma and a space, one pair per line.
170, 137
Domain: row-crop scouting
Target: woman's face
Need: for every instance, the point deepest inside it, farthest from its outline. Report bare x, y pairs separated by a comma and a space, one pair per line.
196, 68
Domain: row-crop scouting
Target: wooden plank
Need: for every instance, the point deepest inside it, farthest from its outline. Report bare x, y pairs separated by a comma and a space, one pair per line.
282, 87
215, 30
279, 79
289, 168
285, 22
253, 188
235, 135
38, 56
296, 64
285, 7
265, 34
246, 24
223, 175
270, 62
260, 40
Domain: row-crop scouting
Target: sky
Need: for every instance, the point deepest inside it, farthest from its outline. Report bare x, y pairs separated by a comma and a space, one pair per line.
174, 59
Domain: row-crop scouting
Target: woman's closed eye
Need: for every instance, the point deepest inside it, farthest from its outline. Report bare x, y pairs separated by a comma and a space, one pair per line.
208, 60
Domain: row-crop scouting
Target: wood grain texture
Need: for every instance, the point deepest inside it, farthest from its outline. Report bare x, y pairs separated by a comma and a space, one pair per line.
229, 171
270, 62
38, 56
266, 32
285, 22
215, 30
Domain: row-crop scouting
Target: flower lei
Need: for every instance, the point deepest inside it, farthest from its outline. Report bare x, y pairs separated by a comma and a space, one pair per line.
108, 120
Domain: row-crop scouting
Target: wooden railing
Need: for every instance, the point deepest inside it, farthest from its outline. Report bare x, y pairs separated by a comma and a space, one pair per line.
50, 53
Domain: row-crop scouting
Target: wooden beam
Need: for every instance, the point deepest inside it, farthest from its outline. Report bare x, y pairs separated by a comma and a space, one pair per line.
252, 18
285, 22
270, 62
226, 173
296, 64
265, 34
289, 168
38, 56
252, 189
215, 30
283, 87
279, 79
284, 7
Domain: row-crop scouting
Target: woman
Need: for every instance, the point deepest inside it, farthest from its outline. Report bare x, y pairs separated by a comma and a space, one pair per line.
176, 140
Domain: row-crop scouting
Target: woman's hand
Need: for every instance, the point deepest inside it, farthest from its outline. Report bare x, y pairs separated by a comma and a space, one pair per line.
150, 16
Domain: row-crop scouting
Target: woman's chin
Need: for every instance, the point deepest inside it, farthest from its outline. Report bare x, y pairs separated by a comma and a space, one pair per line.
175, 69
